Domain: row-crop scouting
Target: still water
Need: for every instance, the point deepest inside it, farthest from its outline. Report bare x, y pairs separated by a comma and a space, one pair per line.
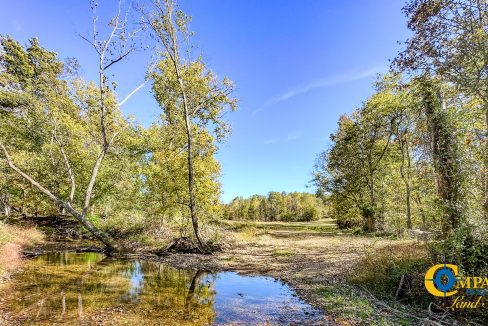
89, 288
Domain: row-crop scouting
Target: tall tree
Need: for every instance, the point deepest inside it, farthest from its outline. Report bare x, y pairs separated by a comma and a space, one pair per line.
445, 153
401, 108
450, 39
189, 93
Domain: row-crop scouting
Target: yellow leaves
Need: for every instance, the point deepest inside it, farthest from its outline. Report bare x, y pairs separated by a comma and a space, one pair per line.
206, 96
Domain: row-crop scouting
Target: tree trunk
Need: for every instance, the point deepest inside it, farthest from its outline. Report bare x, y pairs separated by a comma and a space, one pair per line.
168, 37
370, 212
422, 213
5, 203
485, 173
191, 190
406, 180
191, 181
446, 159
191, 178
101, 236
409, 209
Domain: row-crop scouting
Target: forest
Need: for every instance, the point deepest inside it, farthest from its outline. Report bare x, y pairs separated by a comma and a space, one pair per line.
402, 186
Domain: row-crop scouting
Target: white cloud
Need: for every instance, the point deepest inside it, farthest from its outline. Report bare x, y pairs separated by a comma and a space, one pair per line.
291, 136
271, 141
329, 81
16, 24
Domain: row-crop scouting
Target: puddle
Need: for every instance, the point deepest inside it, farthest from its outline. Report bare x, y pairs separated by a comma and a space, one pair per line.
88, 288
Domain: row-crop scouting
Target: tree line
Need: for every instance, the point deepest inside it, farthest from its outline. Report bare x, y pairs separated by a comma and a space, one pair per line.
414, 155
67, 148
276, 206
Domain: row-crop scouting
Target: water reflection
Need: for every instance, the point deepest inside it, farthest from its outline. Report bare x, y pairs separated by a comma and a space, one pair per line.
89, 288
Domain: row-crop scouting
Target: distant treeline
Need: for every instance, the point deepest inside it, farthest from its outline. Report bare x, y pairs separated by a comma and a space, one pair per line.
276, 206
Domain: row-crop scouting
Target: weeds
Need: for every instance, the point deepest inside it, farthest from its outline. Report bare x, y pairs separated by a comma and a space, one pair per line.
382, 270
12, 239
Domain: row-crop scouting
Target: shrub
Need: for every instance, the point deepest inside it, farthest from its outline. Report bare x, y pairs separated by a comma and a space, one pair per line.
467, 247
382, 269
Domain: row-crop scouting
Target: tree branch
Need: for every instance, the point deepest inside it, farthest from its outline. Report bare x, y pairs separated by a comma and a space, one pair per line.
68, 165
118, 59
90, 42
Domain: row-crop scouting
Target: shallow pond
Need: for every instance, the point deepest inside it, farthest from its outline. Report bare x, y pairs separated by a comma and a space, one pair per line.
89, 288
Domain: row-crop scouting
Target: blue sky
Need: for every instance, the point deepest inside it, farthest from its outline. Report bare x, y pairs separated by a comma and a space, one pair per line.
298, 65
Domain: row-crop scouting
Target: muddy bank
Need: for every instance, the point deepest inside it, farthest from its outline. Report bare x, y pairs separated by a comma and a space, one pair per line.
12, 241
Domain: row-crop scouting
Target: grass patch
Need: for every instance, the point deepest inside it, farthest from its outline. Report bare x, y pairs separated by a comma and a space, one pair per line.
321, 226
6, 234
282, 253
247, 233
349, 303
19, 235
346, 303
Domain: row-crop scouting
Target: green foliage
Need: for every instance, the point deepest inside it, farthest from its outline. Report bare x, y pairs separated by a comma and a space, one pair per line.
167, 168
49, 118
6, 234
455, 52
283, 253
405, 159
467, 247
354, 305
57, 115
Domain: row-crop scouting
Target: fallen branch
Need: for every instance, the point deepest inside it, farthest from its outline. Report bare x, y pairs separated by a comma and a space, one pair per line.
399, 312
397, 293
